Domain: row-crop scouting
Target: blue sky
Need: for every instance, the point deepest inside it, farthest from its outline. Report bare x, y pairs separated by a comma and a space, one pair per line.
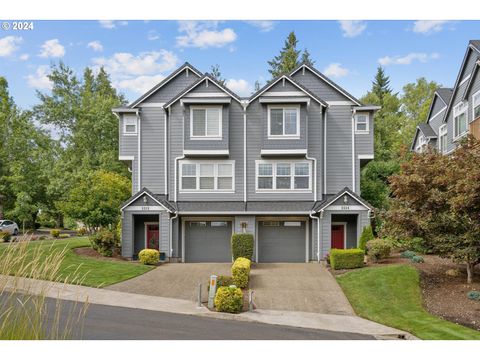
138, 54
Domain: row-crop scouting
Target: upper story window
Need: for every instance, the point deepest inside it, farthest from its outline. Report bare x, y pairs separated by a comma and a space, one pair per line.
207, 176
130, 125
422, 143
283, 175
476, 105
442, 139
361, 123
283, 122
460, 120
206, 122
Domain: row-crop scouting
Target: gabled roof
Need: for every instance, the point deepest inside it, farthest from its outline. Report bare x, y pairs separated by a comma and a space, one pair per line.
328, 81
331, 199
205, 77
472, 76
165, 81
475, 44
427, 130
445, 94
293, 82
159, 199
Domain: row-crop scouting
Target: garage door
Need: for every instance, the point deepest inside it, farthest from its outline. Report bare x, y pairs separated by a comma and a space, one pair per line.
208, 241
281, 241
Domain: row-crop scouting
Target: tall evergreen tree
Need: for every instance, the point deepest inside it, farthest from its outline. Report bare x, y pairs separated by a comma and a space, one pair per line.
287, 60
306, 58
380, 85
217, 75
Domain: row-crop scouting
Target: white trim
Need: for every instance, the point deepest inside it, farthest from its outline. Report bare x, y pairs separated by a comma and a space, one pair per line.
456, 113
146, 208
345, 208
152, 104
283, 152
245, 153
354, 123
130, 117
165, 152
220, 123
284, 93
206, 95
206, 152
145, 233
295, 136
442, 132
138, 196
366, 157
339, 196
291, 100
197, 176
367, 131
205, 101
139, 160
464, 80
477, 93
126, 158
327, 80
213, 213
292, 176
325, 152
338, 103
438, 113
344, 232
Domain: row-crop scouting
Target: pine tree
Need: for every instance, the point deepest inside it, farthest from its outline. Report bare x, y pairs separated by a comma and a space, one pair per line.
287, 60
217, 75
380, 85
306, 58
257, 86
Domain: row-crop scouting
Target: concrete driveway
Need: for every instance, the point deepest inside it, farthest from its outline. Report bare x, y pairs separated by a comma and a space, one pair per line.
174, 280
298, 287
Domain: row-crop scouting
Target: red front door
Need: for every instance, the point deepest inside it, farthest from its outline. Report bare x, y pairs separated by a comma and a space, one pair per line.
152, 236
338, 236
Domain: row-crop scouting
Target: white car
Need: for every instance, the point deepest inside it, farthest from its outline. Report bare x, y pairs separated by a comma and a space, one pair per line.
9, 226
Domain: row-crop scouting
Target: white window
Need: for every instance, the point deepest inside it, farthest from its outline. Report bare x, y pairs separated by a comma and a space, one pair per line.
283, 176
460, 120
422, 143
476, 105
442, 139
206, 176
130, 125
283, 122
206, 123
361, 123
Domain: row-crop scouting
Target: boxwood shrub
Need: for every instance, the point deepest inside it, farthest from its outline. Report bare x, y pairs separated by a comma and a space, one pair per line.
241, 272
149, 256
378, 249
242, 246
346, 259
229, 299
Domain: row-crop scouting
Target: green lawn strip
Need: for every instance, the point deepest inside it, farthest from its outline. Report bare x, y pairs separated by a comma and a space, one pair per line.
90, 271
391, 295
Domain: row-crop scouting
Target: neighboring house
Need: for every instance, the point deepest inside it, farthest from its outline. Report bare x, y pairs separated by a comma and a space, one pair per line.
454, 112
283, 164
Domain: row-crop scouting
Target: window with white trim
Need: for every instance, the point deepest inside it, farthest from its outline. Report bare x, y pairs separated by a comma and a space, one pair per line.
130, 125
476, 105
460, 121
206, 122
206, 176
283, 122
442, 139
361, 123
283, 176
422, 143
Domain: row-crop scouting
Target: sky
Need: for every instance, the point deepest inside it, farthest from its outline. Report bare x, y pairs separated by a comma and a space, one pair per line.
139, 54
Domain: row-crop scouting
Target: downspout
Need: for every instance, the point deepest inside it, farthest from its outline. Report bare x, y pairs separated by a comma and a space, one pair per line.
165, 156
179, 157
139, 150
325, 151
245, 153
353, 150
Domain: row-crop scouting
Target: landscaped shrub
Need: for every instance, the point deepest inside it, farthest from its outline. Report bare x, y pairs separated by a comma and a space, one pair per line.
64, 236
222, 280
82, 231
407, 254
242, 246
229, 299
103, 242
5, 236
118, 230
346, 259
367, 235
55, 233
378, 249
416, 244
241, 272
149, 256
474, 295
417, 259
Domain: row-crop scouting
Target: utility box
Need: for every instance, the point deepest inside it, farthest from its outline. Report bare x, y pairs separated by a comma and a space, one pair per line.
212, 291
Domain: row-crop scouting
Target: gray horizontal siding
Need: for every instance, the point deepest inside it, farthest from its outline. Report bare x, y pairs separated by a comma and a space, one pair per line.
319, 87
282, 86
199, 144
173, 87
127, 234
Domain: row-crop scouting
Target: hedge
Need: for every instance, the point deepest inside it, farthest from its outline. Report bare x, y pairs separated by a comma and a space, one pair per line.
229, 299
241, 272
149, 256
242, 246
346, 259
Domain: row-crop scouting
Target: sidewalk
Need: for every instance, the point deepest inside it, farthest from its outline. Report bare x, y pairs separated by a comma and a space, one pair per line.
342, 323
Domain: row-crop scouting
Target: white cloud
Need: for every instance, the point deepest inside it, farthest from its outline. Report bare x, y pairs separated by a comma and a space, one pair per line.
9, 44
352, 28
239, 86
153, 35
40, 80
204, 34
407, 59
263, 25
336, 70
24, 57
429, 26
140, 84
110, 24
52, 48
95, 45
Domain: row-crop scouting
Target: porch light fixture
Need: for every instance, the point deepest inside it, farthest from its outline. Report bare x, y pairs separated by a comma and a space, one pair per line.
345, 199
145, 200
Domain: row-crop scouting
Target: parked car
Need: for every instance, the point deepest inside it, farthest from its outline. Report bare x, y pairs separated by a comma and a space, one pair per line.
9, 226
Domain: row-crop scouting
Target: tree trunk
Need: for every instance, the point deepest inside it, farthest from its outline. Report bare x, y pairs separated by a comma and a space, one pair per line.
470, 272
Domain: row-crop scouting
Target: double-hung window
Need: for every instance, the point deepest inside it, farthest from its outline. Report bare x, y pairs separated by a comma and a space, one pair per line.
129, 125
207, 176
422, 143
442, 141
283, 176
476, 105
460, 120
206, 122
283, 122
361, 123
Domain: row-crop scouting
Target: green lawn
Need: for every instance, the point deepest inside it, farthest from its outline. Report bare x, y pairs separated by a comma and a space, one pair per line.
91, 272
391, 295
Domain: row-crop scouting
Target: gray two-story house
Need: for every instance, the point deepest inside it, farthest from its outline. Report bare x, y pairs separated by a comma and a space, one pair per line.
283, 165
454, 112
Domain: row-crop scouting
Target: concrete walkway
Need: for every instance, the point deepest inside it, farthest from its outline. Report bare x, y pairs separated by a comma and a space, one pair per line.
298, 287
339, 323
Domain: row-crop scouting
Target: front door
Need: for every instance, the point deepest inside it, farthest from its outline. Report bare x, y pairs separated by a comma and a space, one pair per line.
152, 236
338, 236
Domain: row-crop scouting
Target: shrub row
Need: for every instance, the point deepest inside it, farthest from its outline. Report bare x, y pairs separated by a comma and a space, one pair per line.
346, 258
229, 299
242, 246
241, 272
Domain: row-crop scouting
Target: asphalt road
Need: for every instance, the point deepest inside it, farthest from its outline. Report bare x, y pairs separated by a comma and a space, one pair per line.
117, 323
